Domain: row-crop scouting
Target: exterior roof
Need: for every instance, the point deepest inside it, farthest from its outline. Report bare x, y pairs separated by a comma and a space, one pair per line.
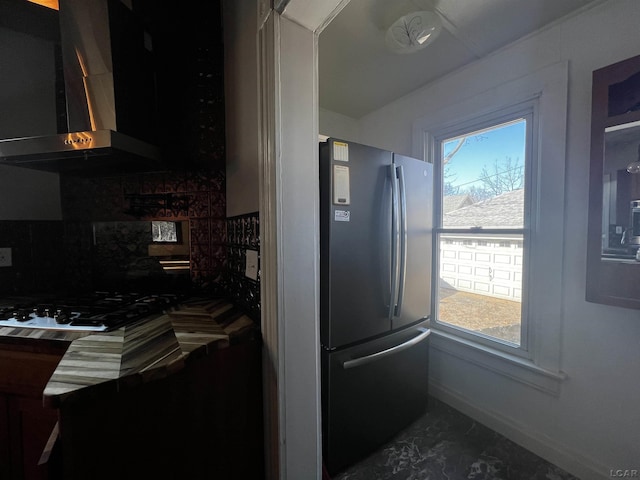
454, 202
504, 211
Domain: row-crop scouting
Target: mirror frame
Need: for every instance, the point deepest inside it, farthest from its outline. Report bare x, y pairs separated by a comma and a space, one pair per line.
608, 282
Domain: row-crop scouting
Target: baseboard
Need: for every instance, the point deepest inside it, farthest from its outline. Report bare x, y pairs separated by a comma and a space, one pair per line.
540, 444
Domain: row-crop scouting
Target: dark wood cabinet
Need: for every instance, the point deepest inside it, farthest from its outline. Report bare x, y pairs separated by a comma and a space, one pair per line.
194, 416
5, 453
204, 421
613, 273
25, 424
30, 426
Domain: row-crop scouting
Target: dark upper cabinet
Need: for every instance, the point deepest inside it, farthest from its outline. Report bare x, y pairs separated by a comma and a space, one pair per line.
613, 258
190, 55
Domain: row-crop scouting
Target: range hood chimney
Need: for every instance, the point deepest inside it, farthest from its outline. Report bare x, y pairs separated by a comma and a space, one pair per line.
109, 87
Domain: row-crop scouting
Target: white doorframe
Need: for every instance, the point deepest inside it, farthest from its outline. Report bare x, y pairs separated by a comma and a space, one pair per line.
269, 125
289, 211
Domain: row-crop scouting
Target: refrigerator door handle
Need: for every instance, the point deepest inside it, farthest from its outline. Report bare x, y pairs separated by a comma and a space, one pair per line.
403, 239
358, 362
394, 242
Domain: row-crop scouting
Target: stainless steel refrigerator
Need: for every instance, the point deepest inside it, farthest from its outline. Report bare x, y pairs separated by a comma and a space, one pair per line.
375, 277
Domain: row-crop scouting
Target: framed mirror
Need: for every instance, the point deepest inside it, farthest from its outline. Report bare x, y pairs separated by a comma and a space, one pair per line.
613, 243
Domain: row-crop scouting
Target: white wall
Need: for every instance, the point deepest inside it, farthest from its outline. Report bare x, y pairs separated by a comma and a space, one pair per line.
340, 126
27, 66
241, 105
28, 85
29, 194
593, 425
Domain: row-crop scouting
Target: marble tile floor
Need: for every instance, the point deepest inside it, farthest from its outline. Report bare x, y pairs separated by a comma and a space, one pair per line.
445, 444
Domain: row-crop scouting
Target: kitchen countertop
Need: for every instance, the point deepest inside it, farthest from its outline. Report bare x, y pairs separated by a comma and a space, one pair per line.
27, 336
153, 348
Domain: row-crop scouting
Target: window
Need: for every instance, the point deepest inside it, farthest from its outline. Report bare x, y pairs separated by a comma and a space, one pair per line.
540, 99
165, 232
482, 213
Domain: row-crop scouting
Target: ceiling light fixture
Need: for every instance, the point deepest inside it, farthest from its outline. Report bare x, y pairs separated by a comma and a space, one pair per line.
413, 32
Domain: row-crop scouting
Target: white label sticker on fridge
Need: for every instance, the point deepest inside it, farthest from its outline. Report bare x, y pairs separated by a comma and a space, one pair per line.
341, 151
341, 195
342, 216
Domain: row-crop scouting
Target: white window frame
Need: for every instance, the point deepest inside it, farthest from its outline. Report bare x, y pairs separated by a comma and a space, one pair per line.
546, 87
528, 112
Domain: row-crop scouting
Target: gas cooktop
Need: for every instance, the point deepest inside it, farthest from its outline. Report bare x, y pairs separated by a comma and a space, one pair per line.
98, 312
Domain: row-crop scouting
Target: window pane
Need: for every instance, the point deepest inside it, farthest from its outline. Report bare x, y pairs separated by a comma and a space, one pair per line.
483, 178
480, 285
480, 277
164, 231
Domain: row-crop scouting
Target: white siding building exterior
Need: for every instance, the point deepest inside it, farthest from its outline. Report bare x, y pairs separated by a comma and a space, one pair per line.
488, 264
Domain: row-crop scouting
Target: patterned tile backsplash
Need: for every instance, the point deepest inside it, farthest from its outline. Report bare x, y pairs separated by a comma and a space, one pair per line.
242, 279
50, 255
197, 197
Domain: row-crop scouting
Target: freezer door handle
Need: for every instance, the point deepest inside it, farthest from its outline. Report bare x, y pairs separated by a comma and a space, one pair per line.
358, 362
403, 239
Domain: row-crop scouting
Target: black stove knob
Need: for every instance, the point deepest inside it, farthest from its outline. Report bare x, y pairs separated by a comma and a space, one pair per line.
61, 316
22, 315
42, 310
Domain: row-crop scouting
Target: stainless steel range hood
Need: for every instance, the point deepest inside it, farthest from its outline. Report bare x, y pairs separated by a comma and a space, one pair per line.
109, 90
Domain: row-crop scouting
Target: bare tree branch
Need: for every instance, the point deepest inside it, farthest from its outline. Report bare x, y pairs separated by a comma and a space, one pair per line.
450, 155
504, 177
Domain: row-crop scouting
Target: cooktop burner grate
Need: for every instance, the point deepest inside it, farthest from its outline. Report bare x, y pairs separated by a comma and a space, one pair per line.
100, 311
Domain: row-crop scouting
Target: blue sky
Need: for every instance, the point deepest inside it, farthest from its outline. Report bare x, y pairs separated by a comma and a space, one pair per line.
483, 149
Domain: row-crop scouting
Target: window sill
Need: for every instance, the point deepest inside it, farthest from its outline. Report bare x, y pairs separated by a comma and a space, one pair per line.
520, 369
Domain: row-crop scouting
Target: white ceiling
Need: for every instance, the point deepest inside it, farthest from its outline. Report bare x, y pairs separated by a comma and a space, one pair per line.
358, 74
